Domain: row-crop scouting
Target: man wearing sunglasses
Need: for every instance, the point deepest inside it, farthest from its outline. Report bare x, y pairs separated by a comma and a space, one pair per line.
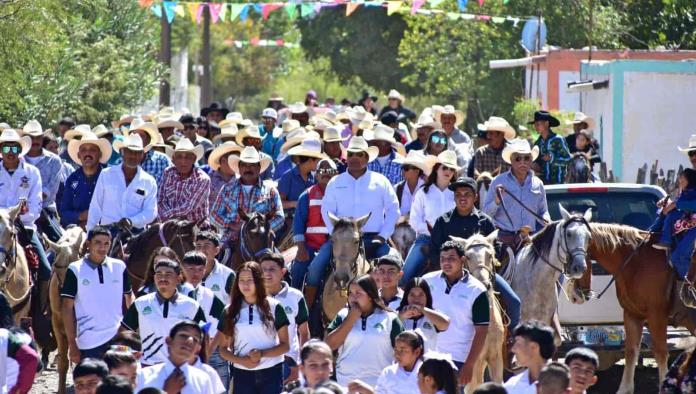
690, 151
190, 131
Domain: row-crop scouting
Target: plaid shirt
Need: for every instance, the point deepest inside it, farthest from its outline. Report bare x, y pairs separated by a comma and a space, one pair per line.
392, 170
155, 163
262, 198
488, 159
183, 198
216, 184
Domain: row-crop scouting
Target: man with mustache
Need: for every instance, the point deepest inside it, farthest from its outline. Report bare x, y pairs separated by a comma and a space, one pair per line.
91, 154
153, 162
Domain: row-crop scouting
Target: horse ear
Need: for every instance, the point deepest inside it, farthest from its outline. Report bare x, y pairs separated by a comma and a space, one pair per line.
564, 214
243, 215
51, 245
334, 219
492, 237
362, 220
458, 239
588, 215
14, 212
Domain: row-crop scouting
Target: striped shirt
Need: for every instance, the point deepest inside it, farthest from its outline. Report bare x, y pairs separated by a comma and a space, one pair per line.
391, 169
155, 163
183, 198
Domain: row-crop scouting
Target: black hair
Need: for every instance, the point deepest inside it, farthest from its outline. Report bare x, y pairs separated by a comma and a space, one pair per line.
194, 257
6, 315
118, 358
90, 366
421, 284
274, 257
690, 175
554, 378
114, 384
453, 245
582, 354
151, 390
368, 284
184, 324
314, 345
128, 338
304, 159
539, 333
490, 388
98, 230
413, 339
442, 372
208, 236
169, 264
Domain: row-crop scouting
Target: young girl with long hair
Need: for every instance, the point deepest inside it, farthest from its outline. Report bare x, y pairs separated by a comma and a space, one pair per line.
416, 312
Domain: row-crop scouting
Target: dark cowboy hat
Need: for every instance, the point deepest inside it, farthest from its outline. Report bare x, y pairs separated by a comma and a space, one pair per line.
545, 115
215, 106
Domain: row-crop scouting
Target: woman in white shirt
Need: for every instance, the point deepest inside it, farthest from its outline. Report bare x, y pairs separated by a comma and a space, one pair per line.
364, 334
416, 312
402, 376
430, 202
437, 376
253, 335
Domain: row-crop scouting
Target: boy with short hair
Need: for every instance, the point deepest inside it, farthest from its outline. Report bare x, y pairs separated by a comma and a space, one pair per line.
218, 277
583, 364
533, 348
389, 268
122, 363
88, 374
554, 378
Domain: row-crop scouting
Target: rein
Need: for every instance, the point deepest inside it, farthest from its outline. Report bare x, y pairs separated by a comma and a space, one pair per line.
22, 301
517, 200
623, 265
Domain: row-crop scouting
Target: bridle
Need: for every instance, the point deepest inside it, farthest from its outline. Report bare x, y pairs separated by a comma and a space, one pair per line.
491, 271
354, 261
565, 254
244, 248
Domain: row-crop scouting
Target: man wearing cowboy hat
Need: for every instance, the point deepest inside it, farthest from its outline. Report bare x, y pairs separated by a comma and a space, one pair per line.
66, 123
49, 165
268, 132
275, 102
368, 101
294, 137
450, 119
184, 189
124, 194
299, 178
74, 133
189, 130
395, 102
508, 215
91, 154
249, 194
220, 171
167, 123
386, 163
425, 125
489, 157
154, 163
215, 112
690, 150
553, 151
250, 136
580, 122
333, 147
355, 193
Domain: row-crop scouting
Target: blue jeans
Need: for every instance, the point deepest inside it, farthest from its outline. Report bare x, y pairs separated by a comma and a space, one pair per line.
416, 259
681, 254
298, 269
668, 226
262, 381
222, 367
510, 299
317, 268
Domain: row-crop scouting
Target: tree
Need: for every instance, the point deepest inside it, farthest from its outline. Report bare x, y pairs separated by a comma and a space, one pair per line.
651, 23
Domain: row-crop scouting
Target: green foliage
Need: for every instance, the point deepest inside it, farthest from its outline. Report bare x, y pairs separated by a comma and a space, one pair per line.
651, 23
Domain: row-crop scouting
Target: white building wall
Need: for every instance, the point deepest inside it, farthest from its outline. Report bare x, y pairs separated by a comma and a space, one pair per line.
568, 101
540, 80
598, 105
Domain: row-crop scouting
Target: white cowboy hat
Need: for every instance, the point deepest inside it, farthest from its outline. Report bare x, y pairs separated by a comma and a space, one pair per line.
235, 118
33, 129
446, 158
343, 115
168, 150
359, 144
692, 145
247, 132
121, 121
296, 137
185, 145
426, 120
438, 111
169, 111
394, 94
333, 134
269, 113
385, 133
130, 142
327, 115
222, 150
228, 131
163, 120
4, 126
148, 127
90, 138
310, 147
100, 130
520, 146
77, 131
580, 117
321, 124
297, 108
248, 155
416, 158
359, 116
290, 125
495, 123
11, 135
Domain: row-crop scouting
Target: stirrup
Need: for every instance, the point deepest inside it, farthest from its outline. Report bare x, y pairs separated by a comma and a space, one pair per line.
687, 293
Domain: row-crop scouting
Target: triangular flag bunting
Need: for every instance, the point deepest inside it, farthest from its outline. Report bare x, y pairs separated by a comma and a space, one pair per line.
236, 10
157, 10
201, 7
462, 4
483, 17
244, 13
145, 3
435, 3
214, 9
416, 5
306, 9
169, 7
453, 16
193, 10
468, 16
317, 7
480, 3
351, 7
223, 12
498, 19
393, 6
267, 8
258, 7
254, 41
291, 9
179, 10
280, 42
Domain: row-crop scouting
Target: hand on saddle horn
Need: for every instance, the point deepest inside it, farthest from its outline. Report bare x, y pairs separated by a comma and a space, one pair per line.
125, 224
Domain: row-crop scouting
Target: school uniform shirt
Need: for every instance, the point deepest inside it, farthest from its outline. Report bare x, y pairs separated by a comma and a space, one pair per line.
251, 333
396, 380
396, 301
220, 281
519, 384
295, 308
197, 380
97, 290
426, 328
153, 316
212, 306
23, 183
113, 200
215, 380
427, 207
368, 348
466, 304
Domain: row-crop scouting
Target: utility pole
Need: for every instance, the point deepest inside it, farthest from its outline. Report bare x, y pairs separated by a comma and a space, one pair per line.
206, 78
165, 57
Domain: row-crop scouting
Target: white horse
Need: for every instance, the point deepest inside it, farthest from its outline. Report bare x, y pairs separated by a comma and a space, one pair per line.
15, 279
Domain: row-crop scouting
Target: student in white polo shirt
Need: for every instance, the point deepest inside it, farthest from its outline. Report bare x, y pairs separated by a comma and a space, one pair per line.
181, 341
533, 348
402, 376
218, 277
154, 314
463, 299
364, 334
389, 268
253, 335
416, 312
293, 302
93, 292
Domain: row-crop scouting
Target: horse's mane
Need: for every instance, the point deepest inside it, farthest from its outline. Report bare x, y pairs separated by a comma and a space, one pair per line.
543, 240
609, 236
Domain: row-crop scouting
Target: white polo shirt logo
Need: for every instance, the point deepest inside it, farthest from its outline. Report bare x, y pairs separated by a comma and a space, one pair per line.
215, 287
85, 282
288, 310
147, 310
378, 327
427, 326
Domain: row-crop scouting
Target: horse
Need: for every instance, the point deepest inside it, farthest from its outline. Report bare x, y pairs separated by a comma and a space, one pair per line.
67, 249
481, 262
579, 169
15, 278
255, 236
348, 262
483, 184
646, 290
403, 237
559, 248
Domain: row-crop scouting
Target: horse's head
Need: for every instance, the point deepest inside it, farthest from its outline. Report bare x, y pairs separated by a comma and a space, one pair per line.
403, 237
480, 256
346, 247
574, 240
256, 234
579, 168
8, 234
67, 249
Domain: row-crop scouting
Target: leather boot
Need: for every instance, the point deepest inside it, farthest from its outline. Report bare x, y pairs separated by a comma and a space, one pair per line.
43, 296
310, 294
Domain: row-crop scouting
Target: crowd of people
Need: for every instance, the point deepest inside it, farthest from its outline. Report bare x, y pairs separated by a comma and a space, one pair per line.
197, 326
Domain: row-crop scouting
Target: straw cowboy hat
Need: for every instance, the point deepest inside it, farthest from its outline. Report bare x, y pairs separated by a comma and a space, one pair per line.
275, 97
438, 111
78, 131
310, 147
545, 115
321, 124
327, 115
186, 146
100, 130
248, 155
384, 133
33, 129
579, 117
168, 150
691, 147
425, 120
130, 142
394, 94
148, 127
495, 123
416, 158
360, 117
359, 144
11, 135
297, 108
124, 119
222, 150
290, 125
4, 126
333, 134
90, 138
227, 132
446, 158
235, 118
247, 132
164, 120
296, 137
520, 146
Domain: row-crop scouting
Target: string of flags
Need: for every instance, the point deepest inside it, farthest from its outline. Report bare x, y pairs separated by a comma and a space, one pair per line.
221, 12
257, 42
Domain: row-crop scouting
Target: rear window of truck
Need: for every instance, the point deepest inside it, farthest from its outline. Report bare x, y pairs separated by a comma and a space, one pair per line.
632, 208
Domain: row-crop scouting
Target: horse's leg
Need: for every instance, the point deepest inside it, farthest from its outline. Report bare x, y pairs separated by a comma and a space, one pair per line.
658, 335
634, 332
477, 375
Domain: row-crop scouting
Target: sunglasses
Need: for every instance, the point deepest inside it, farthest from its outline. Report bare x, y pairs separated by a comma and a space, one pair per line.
357, 154
326, 171
11, 149
445, 168
692, 153
523, 158
439, 140
408, 167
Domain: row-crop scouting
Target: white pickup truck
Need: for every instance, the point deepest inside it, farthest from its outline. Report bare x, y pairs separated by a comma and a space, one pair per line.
598, 323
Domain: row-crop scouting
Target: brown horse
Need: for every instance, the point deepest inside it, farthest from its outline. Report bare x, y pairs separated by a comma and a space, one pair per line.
15, 279
645, 287
255, 236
